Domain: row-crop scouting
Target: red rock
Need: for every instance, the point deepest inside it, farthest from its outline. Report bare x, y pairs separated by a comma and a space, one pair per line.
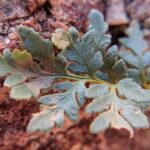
40, 15
139, 9
2, 46
13, 44
12, 9
7, 41
4, 26
47, 34
34, 4
116, 14
32, 22
13, 36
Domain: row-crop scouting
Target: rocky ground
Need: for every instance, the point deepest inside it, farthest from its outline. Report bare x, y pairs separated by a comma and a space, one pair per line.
45, 16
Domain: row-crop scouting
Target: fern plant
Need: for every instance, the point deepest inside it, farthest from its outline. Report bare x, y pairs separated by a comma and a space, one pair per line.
36, 69
136, 54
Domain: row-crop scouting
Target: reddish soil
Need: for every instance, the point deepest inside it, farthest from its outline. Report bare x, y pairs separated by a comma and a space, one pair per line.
15, 116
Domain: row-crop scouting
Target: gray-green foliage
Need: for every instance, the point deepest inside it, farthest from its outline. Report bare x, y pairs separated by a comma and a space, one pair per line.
136, 54
88, 59
22, 75
88, 54
118, 106
56, 105
34, 43
85, 56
